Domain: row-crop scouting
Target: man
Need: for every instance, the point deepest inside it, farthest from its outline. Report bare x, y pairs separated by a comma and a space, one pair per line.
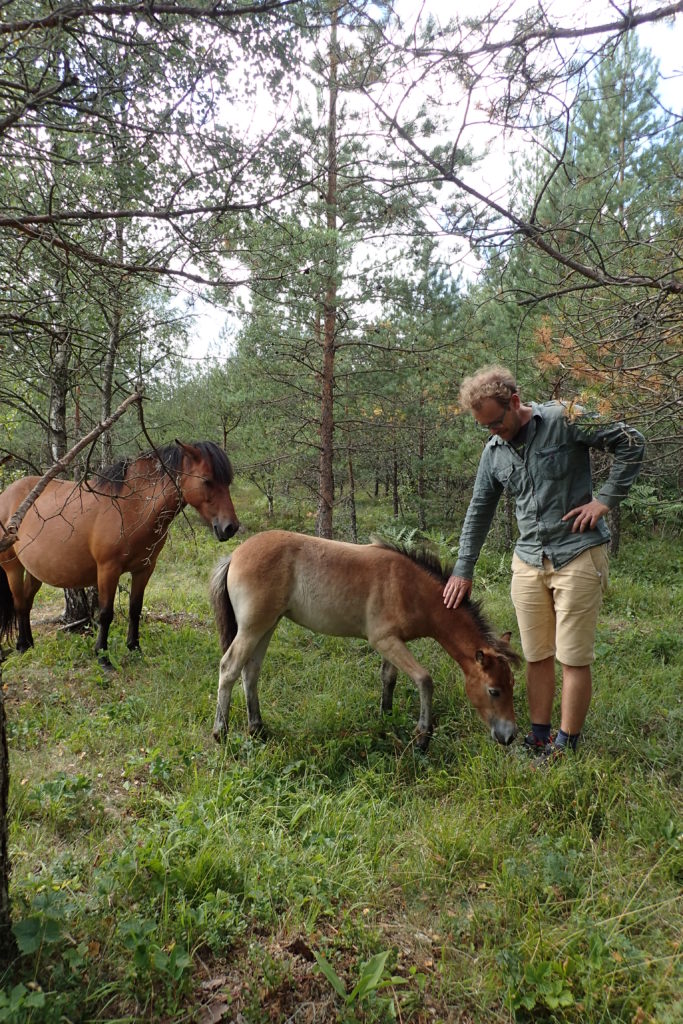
541, 455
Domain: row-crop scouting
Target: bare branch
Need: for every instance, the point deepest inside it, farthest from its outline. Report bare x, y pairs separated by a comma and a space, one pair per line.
10, 531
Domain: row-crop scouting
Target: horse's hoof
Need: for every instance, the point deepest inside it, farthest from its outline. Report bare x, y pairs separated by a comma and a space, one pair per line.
422, 740
134, 648
104, 662
258, 731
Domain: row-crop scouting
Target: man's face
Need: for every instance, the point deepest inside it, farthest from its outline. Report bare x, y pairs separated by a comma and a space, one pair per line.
499, 418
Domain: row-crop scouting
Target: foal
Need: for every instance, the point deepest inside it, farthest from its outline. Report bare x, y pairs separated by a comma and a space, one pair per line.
376, 591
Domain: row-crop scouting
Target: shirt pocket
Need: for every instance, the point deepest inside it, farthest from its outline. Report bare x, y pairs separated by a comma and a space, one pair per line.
511, 479
553, 461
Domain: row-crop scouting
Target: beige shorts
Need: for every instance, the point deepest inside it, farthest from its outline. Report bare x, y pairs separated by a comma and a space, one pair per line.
557, 609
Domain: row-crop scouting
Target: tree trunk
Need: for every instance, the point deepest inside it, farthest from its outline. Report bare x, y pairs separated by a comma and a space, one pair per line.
111, 353
326, 483
615, 530
59, 387
80, 609
8, 949
421, 484
352, 503
394, 487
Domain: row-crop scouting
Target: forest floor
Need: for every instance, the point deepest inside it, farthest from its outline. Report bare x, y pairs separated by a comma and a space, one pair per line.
331, 872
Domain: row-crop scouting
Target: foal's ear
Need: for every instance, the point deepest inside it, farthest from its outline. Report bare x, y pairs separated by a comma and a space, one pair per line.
506, 637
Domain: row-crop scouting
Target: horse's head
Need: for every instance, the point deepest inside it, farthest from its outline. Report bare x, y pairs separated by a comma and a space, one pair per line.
489, 684
205, 478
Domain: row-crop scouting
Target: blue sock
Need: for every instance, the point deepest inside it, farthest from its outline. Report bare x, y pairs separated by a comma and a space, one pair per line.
565, 739
540, 732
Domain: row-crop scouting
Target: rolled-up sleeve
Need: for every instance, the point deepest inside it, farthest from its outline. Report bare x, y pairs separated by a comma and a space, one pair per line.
626, 445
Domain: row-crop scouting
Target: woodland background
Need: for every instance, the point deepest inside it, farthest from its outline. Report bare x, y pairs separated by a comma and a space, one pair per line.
318, 171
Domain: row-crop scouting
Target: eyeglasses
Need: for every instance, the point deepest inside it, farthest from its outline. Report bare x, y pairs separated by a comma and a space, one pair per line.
496, 424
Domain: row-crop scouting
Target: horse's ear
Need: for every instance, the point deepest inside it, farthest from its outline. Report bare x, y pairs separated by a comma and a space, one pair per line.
506, 637
189, 449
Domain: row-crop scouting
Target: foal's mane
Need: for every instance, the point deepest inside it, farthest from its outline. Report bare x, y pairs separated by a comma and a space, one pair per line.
169, 458
428, 560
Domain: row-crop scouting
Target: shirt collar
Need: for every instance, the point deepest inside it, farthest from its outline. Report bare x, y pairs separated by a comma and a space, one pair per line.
536, 414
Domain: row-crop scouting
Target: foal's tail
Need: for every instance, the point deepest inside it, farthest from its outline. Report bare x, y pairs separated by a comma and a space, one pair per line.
8, 619
222, 607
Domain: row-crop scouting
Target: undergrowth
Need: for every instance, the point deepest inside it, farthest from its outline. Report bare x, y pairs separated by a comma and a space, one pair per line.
332, 872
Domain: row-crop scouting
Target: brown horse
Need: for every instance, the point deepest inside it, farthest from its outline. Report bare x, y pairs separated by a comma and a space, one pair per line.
88, 534
381, 592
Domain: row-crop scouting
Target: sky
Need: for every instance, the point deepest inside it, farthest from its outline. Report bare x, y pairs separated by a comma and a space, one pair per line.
664, 39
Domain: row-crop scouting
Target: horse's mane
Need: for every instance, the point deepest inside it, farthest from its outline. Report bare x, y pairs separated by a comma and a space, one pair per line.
428, 559
169, 458
421, 555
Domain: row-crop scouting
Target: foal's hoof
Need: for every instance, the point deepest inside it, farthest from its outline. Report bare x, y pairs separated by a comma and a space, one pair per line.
258, 731
422, 740
104, 662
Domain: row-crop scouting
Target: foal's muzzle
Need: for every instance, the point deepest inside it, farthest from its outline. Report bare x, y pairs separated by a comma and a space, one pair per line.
225, 532
503, 731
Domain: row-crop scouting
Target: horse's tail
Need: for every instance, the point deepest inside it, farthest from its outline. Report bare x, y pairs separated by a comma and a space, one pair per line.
222, 606
8, 618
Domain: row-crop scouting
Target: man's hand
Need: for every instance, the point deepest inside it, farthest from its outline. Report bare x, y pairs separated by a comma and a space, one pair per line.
586, 515
456, 590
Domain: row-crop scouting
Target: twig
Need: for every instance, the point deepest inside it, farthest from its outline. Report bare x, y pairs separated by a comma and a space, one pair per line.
10, 531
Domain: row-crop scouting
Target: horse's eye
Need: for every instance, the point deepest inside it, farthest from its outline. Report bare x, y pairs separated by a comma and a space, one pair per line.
208, 483
494, 691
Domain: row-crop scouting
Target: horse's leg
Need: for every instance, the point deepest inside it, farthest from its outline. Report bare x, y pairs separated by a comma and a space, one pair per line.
250, 677
107, 581
395, 651
388, 674
139, 581
25, 634
22, 599
233, 661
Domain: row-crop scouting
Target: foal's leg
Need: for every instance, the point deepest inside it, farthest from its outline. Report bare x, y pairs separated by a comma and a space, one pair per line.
388, 674
233, 661
395, 651
138, 582
250, 677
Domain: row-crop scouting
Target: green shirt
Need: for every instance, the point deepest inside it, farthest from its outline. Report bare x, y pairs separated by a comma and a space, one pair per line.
550, 476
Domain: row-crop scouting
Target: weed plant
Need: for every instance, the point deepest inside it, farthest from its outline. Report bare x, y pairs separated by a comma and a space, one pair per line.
331, 872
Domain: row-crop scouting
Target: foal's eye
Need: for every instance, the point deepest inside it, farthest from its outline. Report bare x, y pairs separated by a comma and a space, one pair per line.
494, 691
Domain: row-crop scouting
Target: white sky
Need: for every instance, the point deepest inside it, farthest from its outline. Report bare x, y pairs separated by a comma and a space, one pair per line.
664, 39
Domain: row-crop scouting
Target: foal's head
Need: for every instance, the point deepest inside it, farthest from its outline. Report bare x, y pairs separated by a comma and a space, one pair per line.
489, 684
204, 481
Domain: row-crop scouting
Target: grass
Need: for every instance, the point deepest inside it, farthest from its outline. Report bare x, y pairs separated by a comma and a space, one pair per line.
332, 873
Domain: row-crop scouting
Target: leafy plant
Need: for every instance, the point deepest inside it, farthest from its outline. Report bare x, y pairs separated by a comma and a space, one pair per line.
17, 1004
536, 984
372, 979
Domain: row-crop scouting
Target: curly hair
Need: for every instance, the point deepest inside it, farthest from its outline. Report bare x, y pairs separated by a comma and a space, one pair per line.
490, 382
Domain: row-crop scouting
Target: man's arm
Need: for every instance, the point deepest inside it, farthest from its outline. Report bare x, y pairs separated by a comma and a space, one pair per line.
485, 496
627, 445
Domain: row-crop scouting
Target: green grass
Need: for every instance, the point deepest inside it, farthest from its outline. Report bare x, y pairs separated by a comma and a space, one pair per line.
156, 874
